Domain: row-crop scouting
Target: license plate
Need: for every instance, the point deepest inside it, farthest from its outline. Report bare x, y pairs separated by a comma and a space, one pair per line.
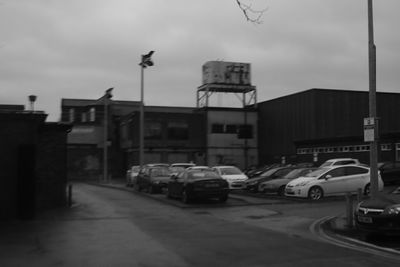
211, 185
364, 219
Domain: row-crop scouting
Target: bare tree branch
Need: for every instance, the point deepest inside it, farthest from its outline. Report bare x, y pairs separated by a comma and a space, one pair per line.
251, 14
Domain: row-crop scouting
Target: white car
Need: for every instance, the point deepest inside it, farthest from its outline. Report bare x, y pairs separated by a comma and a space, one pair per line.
333, 180
235, 177
340, 161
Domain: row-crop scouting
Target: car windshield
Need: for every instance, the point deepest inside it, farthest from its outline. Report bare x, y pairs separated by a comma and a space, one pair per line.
177, 168
193, 175
269, 172
230, 171
293, 174
159, 172
326, 164
316, 173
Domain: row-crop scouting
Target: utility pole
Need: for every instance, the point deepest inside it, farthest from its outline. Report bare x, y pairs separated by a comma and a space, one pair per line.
145, 62
372, 103
107, 96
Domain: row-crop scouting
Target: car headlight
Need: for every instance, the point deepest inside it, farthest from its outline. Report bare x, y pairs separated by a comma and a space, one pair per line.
392, 210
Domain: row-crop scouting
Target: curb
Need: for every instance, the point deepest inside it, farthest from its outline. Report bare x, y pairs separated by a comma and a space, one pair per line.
325, 229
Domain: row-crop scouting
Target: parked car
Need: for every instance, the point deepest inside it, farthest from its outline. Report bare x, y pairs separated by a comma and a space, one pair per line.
200, 168
333, 180
193, 184
178, 167
233, 175
131, 175
278, 185
380, 215
340, 161
275, 173
390, 172
259, 170
152, 178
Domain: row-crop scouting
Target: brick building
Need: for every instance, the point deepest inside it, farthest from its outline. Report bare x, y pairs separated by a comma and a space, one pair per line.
33, 163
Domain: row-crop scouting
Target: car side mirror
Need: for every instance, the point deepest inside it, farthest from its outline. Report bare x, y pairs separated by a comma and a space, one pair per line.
328, 177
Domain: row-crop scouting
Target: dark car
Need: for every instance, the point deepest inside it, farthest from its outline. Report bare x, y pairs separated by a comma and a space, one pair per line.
153, 178
278, 185
194, 184
252, 184
380, 215
390, 172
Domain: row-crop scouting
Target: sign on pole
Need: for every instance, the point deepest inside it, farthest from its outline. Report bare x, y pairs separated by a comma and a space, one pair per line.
369, 129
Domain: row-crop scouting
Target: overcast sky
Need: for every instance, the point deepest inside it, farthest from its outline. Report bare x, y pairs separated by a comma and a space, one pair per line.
78, 48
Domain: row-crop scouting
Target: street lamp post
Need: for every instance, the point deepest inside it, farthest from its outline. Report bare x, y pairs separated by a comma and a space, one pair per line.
145, 62
106, 98
372, 102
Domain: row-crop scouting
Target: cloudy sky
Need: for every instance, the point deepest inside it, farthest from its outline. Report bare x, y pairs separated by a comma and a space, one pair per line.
78, 48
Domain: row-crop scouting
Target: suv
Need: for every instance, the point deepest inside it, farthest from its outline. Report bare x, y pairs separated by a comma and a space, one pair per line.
339, 161
153, 178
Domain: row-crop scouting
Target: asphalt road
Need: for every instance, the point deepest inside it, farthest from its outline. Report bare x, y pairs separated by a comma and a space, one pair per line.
111, 227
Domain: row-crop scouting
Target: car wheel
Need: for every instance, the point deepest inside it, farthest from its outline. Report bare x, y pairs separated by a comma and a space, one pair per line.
315, 193
185, 197
367, 190
281, 191
223, 198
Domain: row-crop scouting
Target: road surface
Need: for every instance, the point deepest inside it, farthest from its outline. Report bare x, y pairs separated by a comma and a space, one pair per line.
111, 227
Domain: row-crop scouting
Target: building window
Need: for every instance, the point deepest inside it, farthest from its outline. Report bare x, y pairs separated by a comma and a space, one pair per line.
398, 151
152, 130
386, 147
71, 115
245, 131
92, 114
217, 128
231, 129
178, 131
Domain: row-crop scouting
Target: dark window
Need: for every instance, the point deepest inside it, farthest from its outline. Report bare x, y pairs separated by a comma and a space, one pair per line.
178, 131
231, 129
152, 130
245, 131
217, 128
355, 170
338, 172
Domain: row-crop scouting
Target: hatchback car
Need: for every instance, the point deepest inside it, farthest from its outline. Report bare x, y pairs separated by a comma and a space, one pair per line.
235, 177
278, 185
153, 178
379, 215
390, 172
330, 181
193, 184
339, 161
275, 173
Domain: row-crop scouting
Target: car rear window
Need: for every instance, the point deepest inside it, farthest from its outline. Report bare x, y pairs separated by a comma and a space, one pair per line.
202, 174
158, 172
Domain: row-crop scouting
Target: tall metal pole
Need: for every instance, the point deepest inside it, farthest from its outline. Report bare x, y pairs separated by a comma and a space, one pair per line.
105, 136
372, 102
141, 123
145, 61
